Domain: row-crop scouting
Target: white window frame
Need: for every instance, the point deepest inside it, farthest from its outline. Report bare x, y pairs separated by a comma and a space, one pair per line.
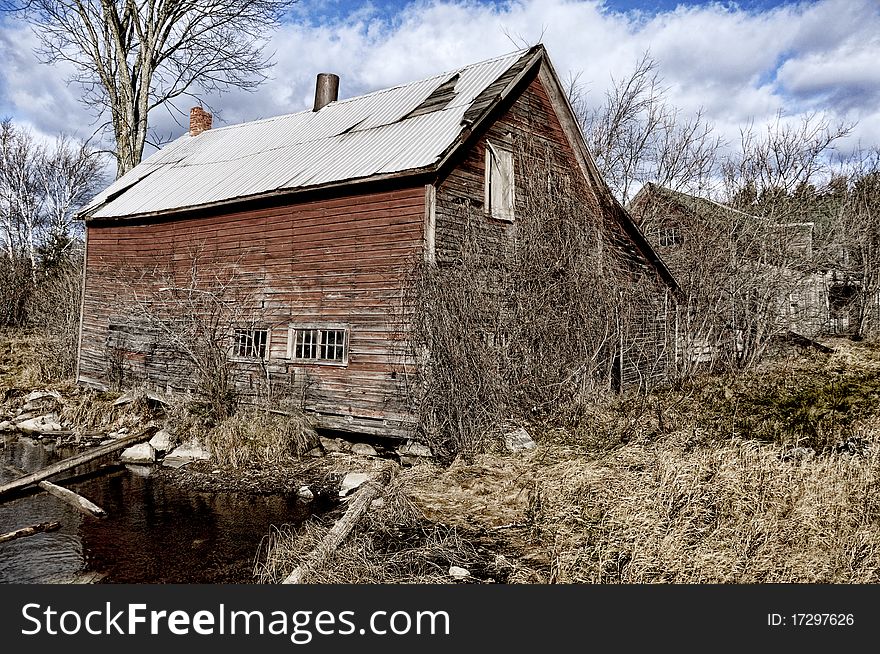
317, 331
252, 331
500, 183
669, 236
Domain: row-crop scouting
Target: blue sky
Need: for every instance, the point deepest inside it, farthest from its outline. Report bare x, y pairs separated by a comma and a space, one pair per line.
738, 62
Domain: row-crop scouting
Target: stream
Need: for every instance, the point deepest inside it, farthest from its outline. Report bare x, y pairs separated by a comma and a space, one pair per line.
155, 532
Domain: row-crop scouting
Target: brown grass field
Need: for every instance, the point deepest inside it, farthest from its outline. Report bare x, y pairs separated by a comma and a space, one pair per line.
762, 477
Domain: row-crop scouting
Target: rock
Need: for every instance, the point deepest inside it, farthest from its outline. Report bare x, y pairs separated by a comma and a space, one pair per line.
140, 453
162, 441
351, 481
364, 449
378, 503
315, 452
122, 431
172, 462
125, 398
412, 453
305, 493
41, 424
335, 444
128, 396
412, 448
519, 440
457, 572
190, 450
6, 426
33, 396
139, 470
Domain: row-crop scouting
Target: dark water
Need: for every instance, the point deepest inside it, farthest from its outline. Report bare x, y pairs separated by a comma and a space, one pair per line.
155, 532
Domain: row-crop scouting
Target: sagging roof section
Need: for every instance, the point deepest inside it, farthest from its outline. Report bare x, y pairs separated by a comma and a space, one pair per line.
404, 128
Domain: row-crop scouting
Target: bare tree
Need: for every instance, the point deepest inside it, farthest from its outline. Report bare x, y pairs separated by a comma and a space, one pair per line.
41, 186
773, 167
636, 136
132, 57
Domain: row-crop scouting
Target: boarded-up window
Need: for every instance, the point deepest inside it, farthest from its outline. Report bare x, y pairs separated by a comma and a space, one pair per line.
500, 190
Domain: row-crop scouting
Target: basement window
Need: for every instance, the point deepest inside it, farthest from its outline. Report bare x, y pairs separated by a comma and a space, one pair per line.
500, 192
251, 343
318, 344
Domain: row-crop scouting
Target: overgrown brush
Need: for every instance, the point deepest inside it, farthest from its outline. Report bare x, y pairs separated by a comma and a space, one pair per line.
91, 410
253, 436
524, 321
393, 544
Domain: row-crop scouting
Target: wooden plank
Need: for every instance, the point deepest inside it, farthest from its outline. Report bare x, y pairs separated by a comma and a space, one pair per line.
79, 459
330, 543
30, 531
75, 500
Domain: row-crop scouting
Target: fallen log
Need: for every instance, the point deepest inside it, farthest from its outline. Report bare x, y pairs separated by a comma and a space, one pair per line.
30, 531
360, 502
78, 459
75, 500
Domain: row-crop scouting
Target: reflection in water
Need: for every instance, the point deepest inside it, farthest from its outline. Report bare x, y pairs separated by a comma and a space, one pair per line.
155, 532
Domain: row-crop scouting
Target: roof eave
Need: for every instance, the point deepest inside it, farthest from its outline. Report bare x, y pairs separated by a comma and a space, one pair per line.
276, 194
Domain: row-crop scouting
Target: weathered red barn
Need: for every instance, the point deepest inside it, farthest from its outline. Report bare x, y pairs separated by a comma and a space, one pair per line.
320, 215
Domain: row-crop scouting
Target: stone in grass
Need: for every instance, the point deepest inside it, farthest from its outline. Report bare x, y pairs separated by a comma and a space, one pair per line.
519, 440
190, 451
40, 425
364, 449
457, 572
335, 445
351, 481
305, 493
140, 453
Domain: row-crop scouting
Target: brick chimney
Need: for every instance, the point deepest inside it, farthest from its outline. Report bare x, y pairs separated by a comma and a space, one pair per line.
326, 90
199, 121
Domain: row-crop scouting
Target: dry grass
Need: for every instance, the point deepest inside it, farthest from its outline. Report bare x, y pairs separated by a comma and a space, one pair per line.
673, 488
393, 544
253, 436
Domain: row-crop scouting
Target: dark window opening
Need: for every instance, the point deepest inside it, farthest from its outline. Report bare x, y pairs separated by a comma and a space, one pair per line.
669, 236
251, 343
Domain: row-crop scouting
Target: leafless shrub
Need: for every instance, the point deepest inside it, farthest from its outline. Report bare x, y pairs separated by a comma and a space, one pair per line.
529, 320
54, 307
199, 315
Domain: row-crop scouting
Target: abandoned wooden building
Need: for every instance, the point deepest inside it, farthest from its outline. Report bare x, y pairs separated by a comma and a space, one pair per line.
710, 246
308, 224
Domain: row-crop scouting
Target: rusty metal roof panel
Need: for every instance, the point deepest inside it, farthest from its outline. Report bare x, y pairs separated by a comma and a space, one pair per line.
350, 139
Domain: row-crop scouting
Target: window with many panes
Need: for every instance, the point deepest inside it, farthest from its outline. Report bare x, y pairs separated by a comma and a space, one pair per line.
667, 236
318, 344
250, 343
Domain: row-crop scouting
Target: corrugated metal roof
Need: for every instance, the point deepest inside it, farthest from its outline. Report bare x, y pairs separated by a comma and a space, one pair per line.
350, 139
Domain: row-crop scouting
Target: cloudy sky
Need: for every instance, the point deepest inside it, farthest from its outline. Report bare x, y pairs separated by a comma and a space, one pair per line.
738, 61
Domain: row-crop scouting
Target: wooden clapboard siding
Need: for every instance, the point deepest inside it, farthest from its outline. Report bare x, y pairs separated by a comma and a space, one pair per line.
335, 261
532, 128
